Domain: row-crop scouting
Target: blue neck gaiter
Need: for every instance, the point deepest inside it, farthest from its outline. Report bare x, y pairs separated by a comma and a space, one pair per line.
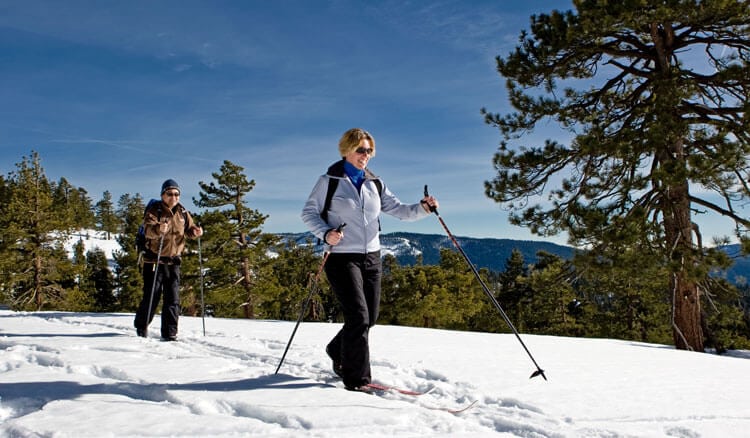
357, 176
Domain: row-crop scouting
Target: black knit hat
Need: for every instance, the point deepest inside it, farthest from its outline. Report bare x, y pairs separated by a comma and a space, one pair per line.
169, 184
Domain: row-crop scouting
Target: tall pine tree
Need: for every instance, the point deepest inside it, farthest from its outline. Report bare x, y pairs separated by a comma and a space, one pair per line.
655, 97
234, 245
33, 239
128, 278
106, 218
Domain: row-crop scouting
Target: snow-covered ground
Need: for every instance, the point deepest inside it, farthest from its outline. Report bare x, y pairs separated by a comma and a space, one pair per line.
81, 375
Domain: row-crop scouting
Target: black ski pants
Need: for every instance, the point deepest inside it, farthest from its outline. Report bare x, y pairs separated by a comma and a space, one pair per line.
355, 279
167, 284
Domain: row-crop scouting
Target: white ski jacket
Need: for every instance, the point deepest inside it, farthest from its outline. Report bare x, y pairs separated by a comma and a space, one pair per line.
360, 211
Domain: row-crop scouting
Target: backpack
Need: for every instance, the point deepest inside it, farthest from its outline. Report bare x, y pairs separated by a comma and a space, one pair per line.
140, 236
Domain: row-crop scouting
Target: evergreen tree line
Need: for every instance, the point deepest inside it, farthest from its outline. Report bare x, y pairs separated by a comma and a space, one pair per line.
621, 293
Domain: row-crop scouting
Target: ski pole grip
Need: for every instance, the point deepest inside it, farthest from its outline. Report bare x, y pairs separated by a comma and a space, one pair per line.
432, 208
337, 229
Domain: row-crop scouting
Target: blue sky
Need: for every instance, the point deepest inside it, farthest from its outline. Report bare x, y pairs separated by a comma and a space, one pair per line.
121, 95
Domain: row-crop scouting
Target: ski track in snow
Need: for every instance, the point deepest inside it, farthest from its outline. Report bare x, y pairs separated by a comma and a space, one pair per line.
221, 394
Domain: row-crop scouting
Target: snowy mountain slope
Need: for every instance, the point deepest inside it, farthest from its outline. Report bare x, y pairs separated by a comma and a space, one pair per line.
483, 252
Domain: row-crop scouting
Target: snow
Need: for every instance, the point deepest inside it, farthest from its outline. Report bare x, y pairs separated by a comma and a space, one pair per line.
89, 375
92, 239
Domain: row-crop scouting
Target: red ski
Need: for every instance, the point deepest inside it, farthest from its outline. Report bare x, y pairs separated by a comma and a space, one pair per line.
381, 387
374, 388
451, 410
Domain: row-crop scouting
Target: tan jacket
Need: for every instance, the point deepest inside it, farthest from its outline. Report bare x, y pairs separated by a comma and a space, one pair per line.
180, 227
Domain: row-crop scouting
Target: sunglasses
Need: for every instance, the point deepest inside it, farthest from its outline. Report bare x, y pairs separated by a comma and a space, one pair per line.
363, 150
175, 194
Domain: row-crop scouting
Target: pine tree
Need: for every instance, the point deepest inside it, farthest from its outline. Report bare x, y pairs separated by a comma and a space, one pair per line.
73, 205
288, 284
6, 244
234, 246
392, 280
514, 294
655, 95
444, 296
723, 321
101, 280
551, 294
624, 290
78, 297
34, 232
128, 278
106, 218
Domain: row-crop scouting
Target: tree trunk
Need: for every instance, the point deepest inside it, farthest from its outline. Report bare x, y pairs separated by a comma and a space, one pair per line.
38, 289
246, 277
686, 330
678, 229
686, 310
249, 308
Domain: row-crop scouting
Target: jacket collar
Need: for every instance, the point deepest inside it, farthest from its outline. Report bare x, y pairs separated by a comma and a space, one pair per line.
337, 169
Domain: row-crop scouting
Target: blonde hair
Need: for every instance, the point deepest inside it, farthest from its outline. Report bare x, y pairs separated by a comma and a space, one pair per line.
351, 140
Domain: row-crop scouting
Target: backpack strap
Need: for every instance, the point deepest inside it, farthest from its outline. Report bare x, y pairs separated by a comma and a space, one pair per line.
333, 183
184, 216
379, 185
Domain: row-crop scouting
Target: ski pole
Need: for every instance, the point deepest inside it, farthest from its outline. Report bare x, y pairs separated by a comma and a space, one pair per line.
203, 304
153, 284
539, 371
313, 285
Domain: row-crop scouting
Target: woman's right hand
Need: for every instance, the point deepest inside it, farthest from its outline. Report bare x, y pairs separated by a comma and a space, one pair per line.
334, 236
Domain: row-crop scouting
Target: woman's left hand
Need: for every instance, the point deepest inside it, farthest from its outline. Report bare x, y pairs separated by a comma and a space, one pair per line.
430, 204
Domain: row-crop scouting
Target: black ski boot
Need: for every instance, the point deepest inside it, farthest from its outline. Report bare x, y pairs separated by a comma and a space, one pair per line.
337, 368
